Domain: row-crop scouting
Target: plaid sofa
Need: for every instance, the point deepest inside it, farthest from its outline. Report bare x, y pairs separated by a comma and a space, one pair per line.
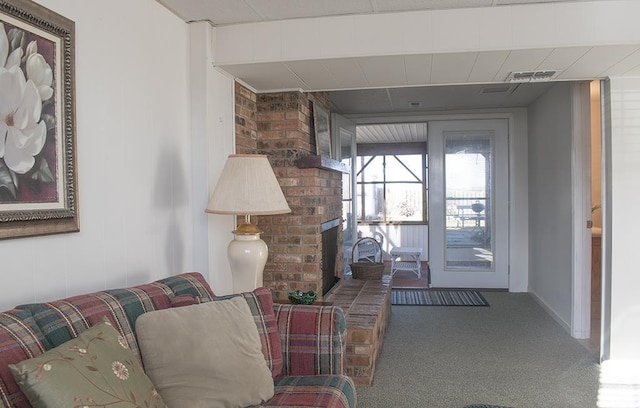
304, 346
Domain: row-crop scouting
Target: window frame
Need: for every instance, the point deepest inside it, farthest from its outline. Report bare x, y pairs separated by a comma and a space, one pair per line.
395, 150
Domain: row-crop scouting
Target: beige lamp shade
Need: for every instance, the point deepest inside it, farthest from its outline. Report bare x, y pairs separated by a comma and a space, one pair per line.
247, 186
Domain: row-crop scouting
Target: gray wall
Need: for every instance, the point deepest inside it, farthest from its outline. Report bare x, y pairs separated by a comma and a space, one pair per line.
550, 210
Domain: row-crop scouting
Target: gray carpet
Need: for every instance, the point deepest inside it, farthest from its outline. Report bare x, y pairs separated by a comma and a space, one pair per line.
511, 354
435, 297
484, 406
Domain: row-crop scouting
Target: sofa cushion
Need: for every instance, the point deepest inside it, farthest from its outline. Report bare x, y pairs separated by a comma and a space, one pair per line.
20, 339
327, 391
205, 355
95, 369
64, 319
314, 339
189, 283
260, 302
184, 300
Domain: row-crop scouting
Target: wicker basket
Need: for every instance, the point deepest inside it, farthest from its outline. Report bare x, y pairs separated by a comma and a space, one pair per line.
370, 268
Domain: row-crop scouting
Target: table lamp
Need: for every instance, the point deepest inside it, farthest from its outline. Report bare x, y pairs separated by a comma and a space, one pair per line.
247, 186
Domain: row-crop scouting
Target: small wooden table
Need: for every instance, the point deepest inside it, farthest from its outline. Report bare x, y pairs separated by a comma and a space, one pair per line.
406, 259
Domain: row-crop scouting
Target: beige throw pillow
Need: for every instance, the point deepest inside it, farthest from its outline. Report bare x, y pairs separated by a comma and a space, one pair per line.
205, 355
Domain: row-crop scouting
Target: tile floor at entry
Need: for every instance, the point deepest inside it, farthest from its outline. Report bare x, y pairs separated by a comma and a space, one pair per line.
408, 279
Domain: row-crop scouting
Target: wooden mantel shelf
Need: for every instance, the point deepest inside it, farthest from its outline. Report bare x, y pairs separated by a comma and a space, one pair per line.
321, 162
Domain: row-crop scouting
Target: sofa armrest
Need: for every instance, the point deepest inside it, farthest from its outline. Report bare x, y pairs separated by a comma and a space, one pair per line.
314, 339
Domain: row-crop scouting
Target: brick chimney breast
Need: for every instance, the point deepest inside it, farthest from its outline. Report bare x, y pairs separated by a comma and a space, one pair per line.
280, 125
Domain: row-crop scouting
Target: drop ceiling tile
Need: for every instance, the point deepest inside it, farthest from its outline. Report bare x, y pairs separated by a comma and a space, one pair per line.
522, 60
361, 101
218, 12
347, 72
418, 69
634, 72
452, 68
596, 62
265, 76
562, 58
288, 9
384, 71
517, 2
395, 5
314, 74
487, 65
626, 65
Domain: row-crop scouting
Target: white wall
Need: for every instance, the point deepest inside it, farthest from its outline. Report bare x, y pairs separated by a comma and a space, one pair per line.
133, 156
399, 235
624, 227
550, 205
212, 129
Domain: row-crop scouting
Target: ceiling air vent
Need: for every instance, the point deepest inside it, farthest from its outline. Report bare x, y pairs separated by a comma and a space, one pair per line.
415, 105
533, 76
496, 89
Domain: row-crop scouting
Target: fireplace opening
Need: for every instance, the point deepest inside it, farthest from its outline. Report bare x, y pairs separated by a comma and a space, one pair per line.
329, 254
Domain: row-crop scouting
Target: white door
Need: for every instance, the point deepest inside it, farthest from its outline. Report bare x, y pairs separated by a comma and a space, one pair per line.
468, 204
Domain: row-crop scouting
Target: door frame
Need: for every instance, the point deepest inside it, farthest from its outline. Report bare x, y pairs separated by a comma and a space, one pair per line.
339, 126
518, 178
497, 276
581, 200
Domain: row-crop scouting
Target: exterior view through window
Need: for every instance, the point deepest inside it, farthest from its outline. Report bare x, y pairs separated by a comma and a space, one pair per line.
392, 188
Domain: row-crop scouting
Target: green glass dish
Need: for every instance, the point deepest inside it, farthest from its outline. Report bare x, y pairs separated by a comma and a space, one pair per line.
298, 297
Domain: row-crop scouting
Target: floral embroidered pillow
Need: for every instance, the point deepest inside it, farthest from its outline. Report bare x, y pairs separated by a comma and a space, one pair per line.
96, 369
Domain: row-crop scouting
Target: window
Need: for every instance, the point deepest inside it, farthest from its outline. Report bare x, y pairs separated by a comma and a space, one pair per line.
392, 188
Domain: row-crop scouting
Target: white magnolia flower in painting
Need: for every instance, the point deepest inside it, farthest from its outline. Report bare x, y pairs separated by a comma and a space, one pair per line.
39, 71
8, 60
22, 133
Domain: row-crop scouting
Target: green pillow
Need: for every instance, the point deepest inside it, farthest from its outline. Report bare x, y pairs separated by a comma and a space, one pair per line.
95, 369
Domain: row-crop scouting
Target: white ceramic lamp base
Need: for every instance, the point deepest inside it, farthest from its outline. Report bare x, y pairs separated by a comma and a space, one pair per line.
247, 257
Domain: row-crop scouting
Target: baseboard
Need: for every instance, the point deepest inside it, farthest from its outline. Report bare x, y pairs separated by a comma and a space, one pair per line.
551, 312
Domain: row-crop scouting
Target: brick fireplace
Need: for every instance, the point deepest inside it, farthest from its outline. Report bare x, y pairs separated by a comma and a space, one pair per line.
280, 125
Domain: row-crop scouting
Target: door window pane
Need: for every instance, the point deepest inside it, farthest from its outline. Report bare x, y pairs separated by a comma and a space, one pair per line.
468, 189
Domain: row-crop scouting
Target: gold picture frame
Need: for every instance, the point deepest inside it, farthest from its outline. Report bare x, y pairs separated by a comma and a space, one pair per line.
38, 177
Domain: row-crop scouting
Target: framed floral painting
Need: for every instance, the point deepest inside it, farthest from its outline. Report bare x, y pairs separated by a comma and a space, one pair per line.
322, 131
38, 180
